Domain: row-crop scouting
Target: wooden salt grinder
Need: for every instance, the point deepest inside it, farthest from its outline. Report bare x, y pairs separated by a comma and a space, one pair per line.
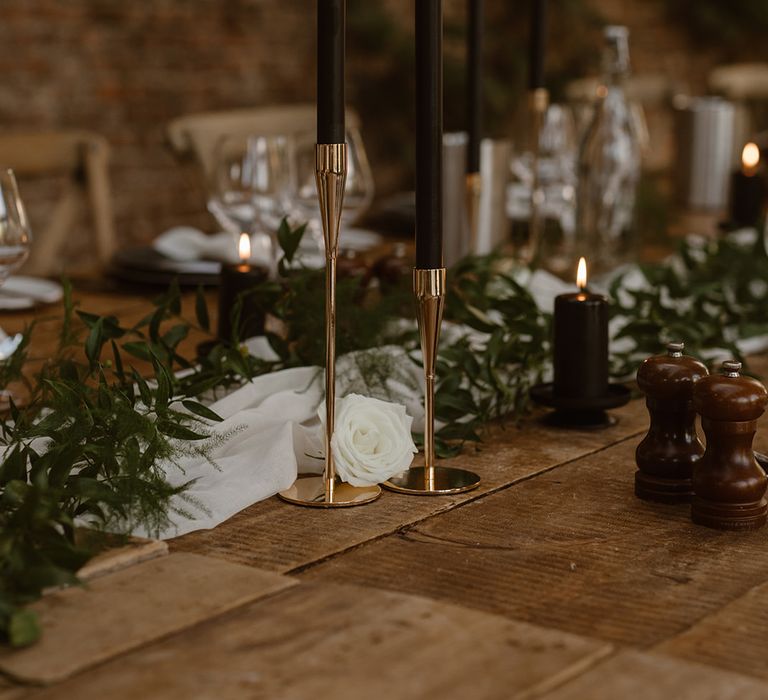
728, 484
667, 454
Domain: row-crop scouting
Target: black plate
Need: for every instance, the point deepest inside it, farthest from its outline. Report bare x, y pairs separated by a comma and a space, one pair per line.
146, 266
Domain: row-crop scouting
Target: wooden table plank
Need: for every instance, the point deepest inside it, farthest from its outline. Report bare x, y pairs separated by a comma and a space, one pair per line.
572, 549
274, 535
733, 637
346, 643
632, 675
134, 551
121, 611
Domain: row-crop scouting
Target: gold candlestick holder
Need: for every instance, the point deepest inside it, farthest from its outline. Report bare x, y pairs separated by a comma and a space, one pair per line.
327, 491
431, 480
539, 102
474, 188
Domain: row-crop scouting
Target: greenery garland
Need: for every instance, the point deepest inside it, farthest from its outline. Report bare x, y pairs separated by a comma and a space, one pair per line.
90, 442
710, 295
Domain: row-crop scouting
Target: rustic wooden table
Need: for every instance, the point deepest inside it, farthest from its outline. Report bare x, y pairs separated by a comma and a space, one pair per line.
551, 580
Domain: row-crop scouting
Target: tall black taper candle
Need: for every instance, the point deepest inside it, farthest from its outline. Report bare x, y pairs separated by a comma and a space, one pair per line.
580, 343
331, 16
429, 134
474, 84
537, 44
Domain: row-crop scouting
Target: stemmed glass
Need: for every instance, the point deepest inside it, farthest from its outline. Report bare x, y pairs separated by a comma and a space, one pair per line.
15, 240
249, 188
358, 191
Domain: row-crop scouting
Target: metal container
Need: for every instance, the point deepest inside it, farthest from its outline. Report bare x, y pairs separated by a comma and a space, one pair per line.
493, 224
704, 129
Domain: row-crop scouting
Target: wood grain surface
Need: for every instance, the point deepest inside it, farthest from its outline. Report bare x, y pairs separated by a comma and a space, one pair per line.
346, 643
116, 613
735, 637
632, 674
550, 581
571, 549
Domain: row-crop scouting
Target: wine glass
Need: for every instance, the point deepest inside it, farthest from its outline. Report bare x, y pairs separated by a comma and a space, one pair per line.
15, 234
15, 240
358, 190
249, 187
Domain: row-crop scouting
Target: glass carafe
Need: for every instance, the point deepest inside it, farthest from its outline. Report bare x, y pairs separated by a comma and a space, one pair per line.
609, 165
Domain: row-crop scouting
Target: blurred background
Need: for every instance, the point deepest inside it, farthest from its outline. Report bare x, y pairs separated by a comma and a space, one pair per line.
125, 70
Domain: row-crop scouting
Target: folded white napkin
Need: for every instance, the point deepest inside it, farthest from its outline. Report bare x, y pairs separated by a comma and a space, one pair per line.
21, 292
252, 450
185, 243
271, 432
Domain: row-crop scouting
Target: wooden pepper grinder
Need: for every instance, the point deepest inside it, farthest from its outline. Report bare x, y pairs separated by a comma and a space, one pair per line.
667, 454
728, 484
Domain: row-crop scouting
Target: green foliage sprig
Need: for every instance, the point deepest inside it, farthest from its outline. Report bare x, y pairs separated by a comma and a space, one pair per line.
711, 295
91, 441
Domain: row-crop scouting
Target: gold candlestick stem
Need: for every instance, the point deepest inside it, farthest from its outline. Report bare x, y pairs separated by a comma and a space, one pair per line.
474, 186
326, 491
431, 479
539, 102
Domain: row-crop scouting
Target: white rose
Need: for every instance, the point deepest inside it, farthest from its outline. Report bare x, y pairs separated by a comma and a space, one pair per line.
372, 439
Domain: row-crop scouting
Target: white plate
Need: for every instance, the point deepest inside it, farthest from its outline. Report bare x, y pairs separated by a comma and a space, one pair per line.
20, 292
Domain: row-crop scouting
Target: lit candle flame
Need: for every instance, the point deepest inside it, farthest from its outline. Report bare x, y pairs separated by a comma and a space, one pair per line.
750, 157
244, 247
581, 274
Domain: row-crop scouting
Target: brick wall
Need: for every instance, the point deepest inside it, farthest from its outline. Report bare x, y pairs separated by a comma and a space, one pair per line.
126, 68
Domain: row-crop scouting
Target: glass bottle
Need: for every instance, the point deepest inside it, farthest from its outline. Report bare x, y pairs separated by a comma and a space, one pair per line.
609, 164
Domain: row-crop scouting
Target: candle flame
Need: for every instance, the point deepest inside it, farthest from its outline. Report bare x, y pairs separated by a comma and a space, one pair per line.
750, 156
581, 274
244, 247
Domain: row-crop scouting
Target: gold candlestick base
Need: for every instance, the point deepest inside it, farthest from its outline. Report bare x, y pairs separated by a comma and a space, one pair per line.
327, 491
311, 492
439, 481
431, 480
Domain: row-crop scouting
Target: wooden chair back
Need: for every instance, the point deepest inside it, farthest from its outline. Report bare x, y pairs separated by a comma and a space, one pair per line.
198, 134
83, 158
746, 86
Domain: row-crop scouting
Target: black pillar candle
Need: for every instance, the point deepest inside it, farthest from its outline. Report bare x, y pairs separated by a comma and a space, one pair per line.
330, 70
474, 83
580, 343
747, 189
537, 44
429, 134
236, 281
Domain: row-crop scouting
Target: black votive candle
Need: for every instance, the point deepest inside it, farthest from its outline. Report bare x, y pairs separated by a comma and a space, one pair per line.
580, 345
330, 71
747, 198
239, 281
429, 134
